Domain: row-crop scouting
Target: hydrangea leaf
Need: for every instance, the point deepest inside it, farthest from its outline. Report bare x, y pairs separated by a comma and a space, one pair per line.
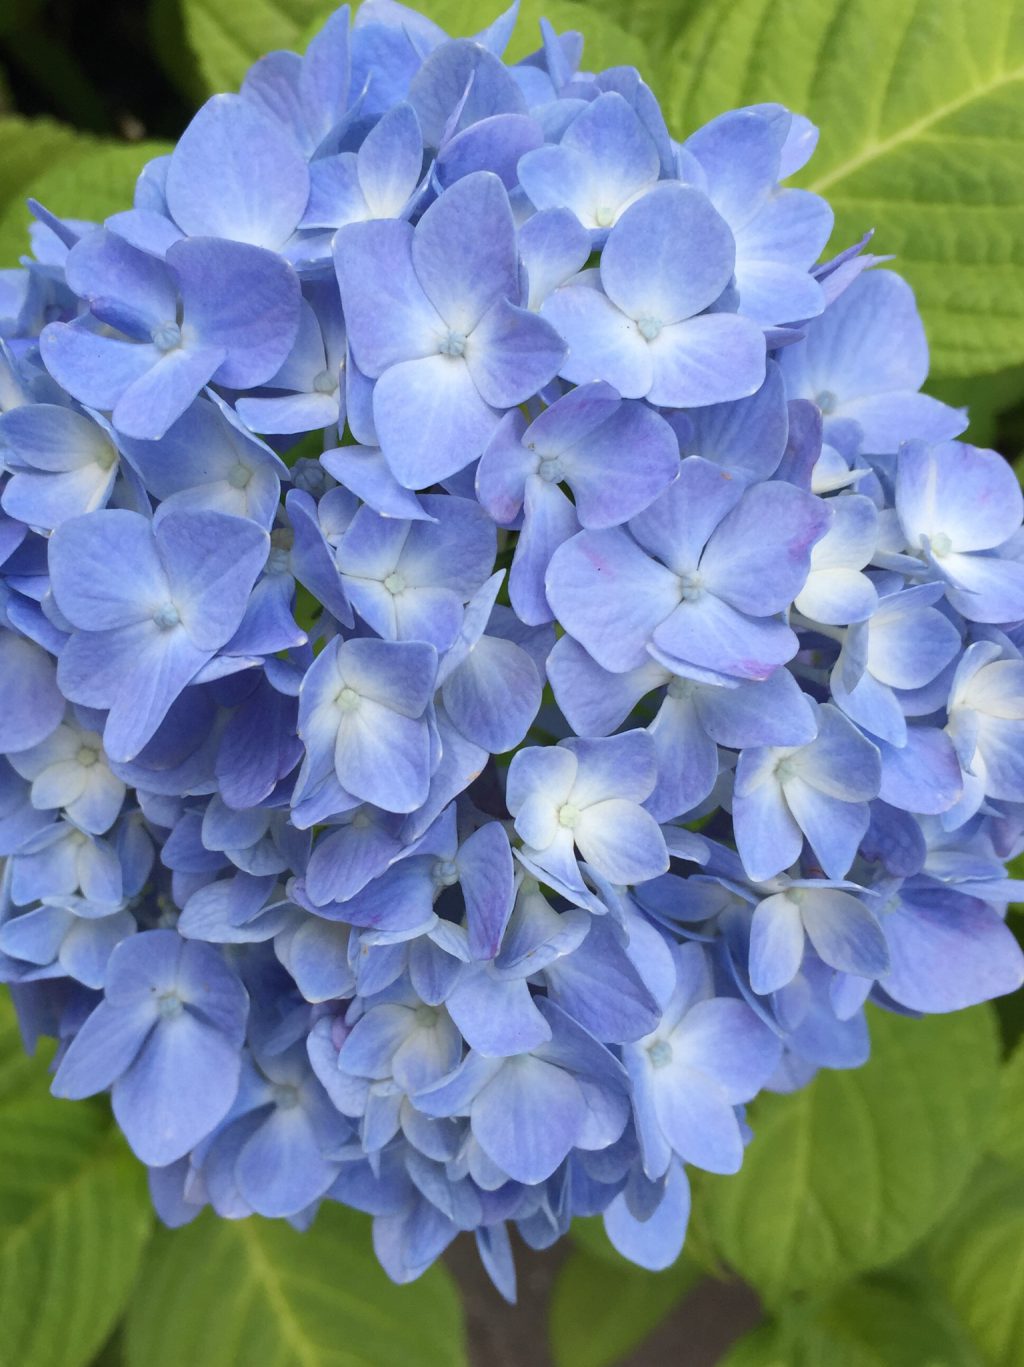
601, 1309
863, 1325
986, 398
83, 178
21, 1077
28, 144
847, 1174
1008, 1132
922, 146
74, 1214
227, 38
976, 1260
219, 1293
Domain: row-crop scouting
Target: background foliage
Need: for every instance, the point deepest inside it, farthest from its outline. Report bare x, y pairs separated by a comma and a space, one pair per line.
880, 1214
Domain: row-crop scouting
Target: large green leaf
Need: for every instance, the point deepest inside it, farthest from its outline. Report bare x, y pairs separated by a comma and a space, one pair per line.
600, 1308
848, 1173
28, 145
89, 179
921, 110
74, 1219
225, 1293
986, 398
1008, 1135
978, 1259
863, 1325
227, 37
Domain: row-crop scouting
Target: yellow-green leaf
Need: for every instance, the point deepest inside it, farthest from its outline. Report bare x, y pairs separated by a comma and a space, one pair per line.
83, 178
74, 1219
256, 1293
870, 1324
850, 1172
1008, 1135
227, 36
978, 1260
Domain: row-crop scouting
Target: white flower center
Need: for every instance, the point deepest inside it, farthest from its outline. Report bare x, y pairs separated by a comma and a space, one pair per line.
166, 337
453, 345
941, 544
444, 874
106, 456
166, 616
347, 700
690, 587
169, 1004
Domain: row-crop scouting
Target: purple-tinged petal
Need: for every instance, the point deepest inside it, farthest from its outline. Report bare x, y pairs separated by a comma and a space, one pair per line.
758, 557
597, 569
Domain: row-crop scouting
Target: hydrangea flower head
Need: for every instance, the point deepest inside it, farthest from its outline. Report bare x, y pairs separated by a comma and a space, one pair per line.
500, 660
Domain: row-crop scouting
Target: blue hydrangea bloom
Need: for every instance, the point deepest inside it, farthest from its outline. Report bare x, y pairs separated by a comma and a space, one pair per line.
439, 494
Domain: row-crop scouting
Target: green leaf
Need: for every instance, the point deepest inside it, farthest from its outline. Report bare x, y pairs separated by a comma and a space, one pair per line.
223, 1293
227, 37
921, 110
28, 144
986, 398
74, 1219
978, 1260
1008, 1134
848, 1173
601, 1309
90, 179
883, 1324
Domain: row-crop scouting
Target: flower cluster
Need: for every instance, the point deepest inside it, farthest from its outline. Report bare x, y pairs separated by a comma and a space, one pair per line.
500, 659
